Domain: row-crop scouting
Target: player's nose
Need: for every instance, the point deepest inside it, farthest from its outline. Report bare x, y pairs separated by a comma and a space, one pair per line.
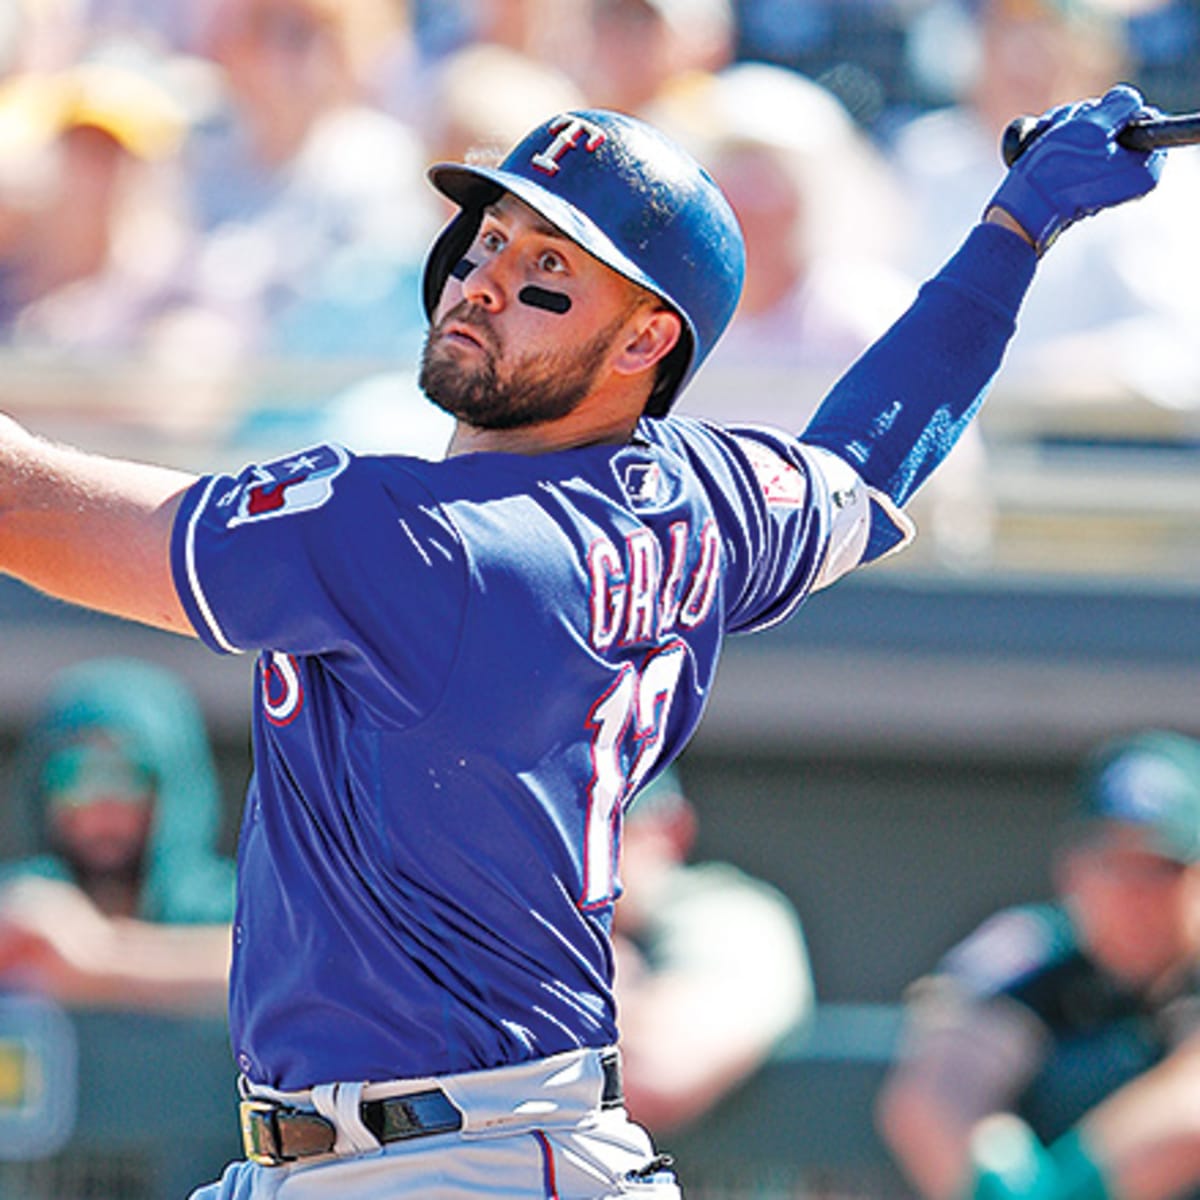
483, 284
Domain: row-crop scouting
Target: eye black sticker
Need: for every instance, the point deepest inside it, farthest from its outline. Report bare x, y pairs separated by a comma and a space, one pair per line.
540, 297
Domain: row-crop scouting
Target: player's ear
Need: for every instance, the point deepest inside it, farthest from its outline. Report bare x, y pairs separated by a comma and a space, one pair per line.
649, 336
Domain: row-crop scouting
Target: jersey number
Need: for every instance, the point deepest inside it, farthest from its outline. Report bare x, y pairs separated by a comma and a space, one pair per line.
627, 724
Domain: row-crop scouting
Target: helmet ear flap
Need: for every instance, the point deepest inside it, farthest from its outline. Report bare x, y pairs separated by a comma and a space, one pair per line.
446, 253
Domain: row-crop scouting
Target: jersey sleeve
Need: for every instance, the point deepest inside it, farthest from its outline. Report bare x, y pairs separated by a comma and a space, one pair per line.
902, 406
317, 553
805, 522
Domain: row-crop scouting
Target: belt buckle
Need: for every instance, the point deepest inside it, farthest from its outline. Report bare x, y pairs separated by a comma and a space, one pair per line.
260, 1133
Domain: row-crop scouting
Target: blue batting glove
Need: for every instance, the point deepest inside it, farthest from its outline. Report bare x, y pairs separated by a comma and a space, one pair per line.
1073, 166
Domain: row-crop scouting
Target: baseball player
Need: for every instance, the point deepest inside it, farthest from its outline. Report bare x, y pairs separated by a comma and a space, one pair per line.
466, 668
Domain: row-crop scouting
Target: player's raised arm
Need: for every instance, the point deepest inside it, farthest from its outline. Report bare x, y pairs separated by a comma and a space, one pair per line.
900, 409
90, 530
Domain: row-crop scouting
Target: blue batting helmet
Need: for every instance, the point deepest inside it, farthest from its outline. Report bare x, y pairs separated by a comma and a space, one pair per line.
631, 198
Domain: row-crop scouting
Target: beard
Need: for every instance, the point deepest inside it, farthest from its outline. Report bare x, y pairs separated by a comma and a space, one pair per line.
535, 388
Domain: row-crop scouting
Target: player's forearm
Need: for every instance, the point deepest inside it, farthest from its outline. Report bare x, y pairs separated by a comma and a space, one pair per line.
999, 216
1146, 1136
960, 1062
165, 967
136, 965
87, 529
1142, 1143
54, 940
902, 406
927, 1141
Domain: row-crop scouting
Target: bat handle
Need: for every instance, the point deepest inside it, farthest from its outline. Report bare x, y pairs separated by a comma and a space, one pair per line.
1018, 133
1147, 135
1153, 134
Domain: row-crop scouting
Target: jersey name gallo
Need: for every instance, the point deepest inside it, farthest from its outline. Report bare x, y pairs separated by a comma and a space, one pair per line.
641, 591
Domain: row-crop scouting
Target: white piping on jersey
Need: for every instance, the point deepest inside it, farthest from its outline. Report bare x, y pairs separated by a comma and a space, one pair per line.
189, 553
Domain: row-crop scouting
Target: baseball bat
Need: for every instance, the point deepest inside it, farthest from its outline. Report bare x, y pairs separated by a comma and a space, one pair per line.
1152, 134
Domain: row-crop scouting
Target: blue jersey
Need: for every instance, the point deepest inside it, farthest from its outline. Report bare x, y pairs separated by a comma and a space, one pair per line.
467, 668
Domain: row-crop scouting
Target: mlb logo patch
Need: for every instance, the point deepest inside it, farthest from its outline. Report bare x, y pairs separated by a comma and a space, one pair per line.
298, 483
643, 483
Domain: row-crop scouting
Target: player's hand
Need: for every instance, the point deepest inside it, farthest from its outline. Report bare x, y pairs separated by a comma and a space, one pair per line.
1074, 165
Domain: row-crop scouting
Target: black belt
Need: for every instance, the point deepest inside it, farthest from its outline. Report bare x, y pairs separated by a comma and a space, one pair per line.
274, 1134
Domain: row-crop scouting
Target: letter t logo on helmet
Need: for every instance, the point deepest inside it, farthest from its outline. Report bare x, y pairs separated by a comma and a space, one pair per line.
630, 197
567, 131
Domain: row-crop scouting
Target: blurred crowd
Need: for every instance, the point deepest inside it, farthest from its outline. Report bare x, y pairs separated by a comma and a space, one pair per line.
1054, 1053
233, 192
230, 194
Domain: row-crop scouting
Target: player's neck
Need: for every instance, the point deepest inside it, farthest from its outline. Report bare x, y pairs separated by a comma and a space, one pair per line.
595, 422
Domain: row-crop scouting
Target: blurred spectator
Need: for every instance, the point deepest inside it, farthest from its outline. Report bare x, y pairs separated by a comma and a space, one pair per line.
166, 29
544, 30
640, 52
1030, 54
1164, 37
1048, 1009
126, 902
712, 968
817, 205
855, 47
40, 35
310, 202
484, 98
90, 229
1115, 316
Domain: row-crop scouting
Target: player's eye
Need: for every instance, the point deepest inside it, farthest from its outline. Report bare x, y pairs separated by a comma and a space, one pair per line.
551, 262
492, 240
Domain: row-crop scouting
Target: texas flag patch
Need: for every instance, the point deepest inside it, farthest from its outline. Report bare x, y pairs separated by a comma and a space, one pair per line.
297, 483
